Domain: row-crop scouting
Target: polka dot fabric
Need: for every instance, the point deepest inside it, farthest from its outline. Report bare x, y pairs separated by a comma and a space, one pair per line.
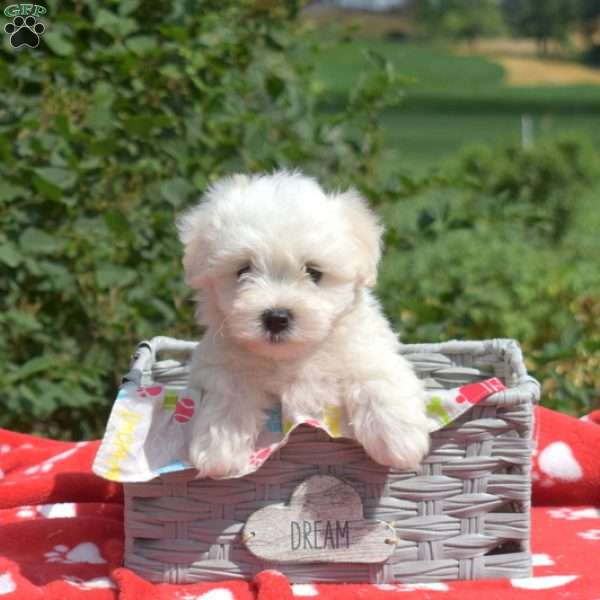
61, 531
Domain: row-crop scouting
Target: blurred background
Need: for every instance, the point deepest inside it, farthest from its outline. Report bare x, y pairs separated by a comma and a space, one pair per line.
473, 127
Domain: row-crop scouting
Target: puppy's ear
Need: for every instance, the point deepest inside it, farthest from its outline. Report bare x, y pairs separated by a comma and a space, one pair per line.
366, 230
200, 226
194, 228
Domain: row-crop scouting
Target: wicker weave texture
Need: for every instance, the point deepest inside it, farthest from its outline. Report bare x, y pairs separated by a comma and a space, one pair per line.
466, 515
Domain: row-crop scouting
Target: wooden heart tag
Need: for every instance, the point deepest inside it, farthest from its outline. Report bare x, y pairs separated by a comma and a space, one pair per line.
324, 522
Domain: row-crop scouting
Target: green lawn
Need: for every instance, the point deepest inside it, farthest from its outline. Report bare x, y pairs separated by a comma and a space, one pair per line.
432, 67
456, 100
420, 139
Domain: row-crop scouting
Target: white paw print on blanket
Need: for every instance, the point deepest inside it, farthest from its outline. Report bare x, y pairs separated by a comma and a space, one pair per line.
556, 463
90, 584
541, 560
413, 587
547, 582
216, 594
86, 552
60, 510
47, 465
590, 534
7, 584
304, 589
574, 514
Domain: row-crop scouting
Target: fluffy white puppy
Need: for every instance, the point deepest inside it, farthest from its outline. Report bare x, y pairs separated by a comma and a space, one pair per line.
284, 272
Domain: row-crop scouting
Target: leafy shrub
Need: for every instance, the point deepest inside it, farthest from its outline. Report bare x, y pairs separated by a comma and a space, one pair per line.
460, 19
532, 187
498, 245
128, 109
107, 130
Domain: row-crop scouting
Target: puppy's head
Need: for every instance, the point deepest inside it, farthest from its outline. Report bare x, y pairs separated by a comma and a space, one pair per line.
278, 260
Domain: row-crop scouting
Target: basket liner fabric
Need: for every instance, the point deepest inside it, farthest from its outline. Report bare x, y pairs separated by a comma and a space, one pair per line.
150, 425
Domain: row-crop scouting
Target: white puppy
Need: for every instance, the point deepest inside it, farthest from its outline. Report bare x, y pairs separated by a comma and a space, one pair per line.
284, 272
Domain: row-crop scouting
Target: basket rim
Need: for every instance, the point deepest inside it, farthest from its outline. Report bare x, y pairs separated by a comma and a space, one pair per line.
525, 389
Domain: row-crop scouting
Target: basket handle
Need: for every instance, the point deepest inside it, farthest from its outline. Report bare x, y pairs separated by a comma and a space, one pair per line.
146, 352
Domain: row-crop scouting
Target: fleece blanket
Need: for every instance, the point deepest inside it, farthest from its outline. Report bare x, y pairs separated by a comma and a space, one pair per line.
61, 530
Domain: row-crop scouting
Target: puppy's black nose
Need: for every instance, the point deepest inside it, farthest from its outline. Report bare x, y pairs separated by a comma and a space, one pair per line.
276, 320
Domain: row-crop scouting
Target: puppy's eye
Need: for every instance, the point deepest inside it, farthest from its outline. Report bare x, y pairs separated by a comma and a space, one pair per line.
245, 269
314, 274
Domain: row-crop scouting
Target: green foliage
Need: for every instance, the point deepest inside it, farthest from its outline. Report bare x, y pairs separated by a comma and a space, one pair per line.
544, 21
128, 109
530, 187
496, 246
460, 19
112, 126
589, 12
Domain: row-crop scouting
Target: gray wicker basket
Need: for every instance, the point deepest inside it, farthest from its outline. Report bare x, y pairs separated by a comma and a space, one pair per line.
465, 516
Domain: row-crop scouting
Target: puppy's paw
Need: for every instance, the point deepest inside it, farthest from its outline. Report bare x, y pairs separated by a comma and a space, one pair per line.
218, 457
392, 429
402, 447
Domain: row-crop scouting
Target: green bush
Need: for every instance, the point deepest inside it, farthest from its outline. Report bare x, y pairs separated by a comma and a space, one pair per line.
498, 245
533, 188
128, 109
460, 19
110, 127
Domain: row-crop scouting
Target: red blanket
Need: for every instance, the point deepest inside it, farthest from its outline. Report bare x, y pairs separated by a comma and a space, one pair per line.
61, 530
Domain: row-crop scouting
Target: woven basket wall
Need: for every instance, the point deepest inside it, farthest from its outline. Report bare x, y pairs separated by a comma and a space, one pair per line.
466, 516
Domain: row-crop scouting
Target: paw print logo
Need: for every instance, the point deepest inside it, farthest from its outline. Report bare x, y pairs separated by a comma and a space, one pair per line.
24, 32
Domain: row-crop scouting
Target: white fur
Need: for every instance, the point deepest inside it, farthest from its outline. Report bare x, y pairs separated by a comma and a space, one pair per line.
340, 348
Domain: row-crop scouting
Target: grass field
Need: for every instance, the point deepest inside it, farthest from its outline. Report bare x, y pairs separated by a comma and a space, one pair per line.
457, 99
422, 139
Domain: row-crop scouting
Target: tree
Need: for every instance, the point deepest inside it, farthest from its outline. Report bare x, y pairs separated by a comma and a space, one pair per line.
543, 21
590, 16
460, 19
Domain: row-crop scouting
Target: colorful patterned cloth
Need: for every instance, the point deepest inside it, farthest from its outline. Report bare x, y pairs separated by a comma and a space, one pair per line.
149, 427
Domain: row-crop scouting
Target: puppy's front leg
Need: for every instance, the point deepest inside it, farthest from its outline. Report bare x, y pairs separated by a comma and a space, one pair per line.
223, 436
389, 420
